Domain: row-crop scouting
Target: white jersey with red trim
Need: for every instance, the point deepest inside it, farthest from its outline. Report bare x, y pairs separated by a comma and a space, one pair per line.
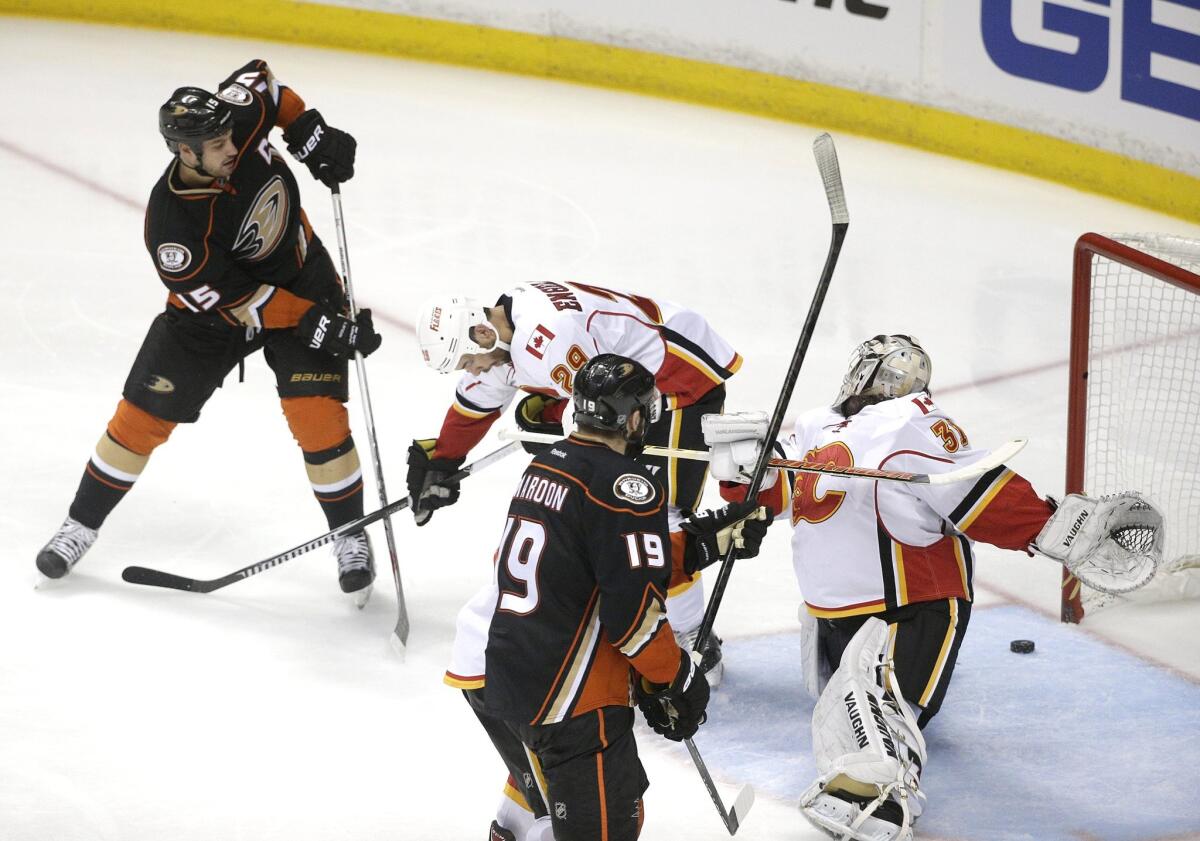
864, 547
558, 327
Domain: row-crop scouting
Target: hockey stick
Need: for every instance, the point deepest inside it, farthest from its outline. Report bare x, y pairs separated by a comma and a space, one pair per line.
827, 163
994, 459
741, 804
157, 578
831, 176
400, 632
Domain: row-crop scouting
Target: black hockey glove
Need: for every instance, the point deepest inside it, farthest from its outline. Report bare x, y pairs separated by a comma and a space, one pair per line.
327, 152
677, 710
710, 533
429, 485
323, 329
533, 415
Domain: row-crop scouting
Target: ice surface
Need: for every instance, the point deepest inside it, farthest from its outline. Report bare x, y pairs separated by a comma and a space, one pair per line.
273, 711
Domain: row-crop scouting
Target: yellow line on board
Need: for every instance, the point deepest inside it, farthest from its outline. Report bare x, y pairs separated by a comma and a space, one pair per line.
748, 91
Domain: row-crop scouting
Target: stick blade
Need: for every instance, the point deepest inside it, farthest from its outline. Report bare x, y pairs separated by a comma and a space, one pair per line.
158, 578
831, 174
741, 808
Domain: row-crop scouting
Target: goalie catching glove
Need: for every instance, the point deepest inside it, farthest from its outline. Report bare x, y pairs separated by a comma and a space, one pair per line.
740, 525
541, 414
1112, 544
327, 152
677, 709
429, 484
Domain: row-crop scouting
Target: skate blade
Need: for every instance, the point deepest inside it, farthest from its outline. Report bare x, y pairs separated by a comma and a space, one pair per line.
359, 598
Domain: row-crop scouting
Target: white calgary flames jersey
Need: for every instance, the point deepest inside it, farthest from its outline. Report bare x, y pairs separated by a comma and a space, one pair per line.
860, 546
558, 327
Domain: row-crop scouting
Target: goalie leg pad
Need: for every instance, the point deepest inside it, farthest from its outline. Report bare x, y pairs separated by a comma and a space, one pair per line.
868, 749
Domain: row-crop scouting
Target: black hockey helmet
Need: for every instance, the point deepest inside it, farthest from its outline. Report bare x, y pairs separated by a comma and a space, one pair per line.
607, 390
191, 116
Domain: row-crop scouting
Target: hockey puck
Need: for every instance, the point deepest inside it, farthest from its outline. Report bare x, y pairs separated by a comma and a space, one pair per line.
1021, 646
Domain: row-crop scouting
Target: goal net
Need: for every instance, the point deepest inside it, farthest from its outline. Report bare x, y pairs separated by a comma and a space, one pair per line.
1134, 400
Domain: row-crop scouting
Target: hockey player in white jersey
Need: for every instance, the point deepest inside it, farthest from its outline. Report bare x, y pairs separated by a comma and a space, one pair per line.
535, 340
885, 569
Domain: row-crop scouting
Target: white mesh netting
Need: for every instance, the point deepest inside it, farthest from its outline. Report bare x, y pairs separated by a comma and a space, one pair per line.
1143, 401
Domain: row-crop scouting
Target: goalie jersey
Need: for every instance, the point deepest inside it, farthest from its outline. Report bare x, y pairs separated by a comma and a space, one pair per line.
581, 578
558, 327
864, 547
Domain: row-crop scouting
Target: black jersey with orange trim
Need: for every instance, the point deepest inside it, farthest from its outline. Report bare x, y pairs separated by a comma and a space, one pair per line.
582, 572
227, 250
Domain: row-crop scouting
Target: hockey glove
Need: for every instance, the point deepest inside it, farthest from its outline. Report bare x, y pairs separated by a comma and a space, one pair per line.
429, 485
323, 329
327, 152
742, 525
1112, 544
676, 710
541, 414
735, 442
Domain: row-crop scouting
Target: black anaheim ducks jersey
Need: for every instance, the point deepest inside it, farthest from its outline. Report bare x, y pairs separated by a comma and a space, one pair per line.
222, 250
582, 572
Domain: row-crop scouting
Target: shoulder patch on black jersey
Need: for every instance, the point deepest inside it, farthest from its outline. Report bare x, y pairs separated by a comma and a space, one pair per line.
173, 257
235, 94
633, 488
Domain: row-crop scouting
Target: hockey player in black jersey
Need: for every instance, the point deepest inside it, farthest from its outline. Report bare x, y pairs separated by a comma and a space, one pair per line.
244, 270
579, 629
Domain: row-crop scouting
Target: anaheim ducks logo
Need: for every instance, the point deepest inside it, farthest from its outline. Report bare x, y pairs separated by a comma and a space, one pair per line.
160, 384
265, 224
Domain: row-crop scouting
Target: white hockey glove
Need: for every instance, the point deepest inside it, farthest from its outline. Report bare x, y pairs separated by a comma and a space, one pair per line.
1112, 544
735, 441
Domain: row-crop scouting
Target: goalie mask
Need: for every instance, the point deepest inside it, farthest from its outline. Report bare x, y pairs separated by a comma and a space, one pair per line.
886, 366
444, 332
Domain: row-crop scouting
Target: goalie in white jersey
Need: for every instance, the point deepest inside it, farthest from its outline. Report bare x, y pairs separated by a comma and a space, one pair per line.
886, 568
535, 340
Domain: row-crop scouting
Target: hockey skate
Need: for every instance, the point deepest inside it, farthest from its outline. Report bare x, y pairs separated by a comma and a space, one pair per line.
710, 657
833, 812
65, 549
499, 833
356, 566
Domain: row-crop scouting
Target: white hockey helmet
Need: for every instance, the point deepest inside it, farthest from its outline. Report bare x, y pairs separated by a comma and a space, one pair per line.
444, 332
886, 366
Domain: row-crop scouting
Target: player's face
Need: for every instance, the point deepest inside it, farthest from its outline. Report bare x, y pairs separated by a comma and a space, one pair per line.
477, 363
219, 155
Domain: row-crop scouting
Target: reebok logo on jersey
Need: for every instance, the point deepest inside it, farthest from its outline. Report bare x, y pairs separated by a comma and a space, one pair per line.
633, 488
173, 257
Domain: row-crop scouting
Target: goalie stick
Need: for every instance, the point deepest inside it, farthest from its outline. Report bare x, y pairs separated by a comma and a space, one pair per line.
158, 578
400, 632
994, 459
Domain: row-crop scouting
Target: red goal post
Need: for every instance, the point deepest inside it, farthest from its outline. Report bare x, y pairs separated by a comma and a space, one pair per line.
1133, 410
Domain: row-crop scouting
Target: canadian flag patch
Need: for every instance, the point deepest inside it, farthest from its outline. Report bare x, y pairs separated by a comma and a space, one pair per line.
539, 340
